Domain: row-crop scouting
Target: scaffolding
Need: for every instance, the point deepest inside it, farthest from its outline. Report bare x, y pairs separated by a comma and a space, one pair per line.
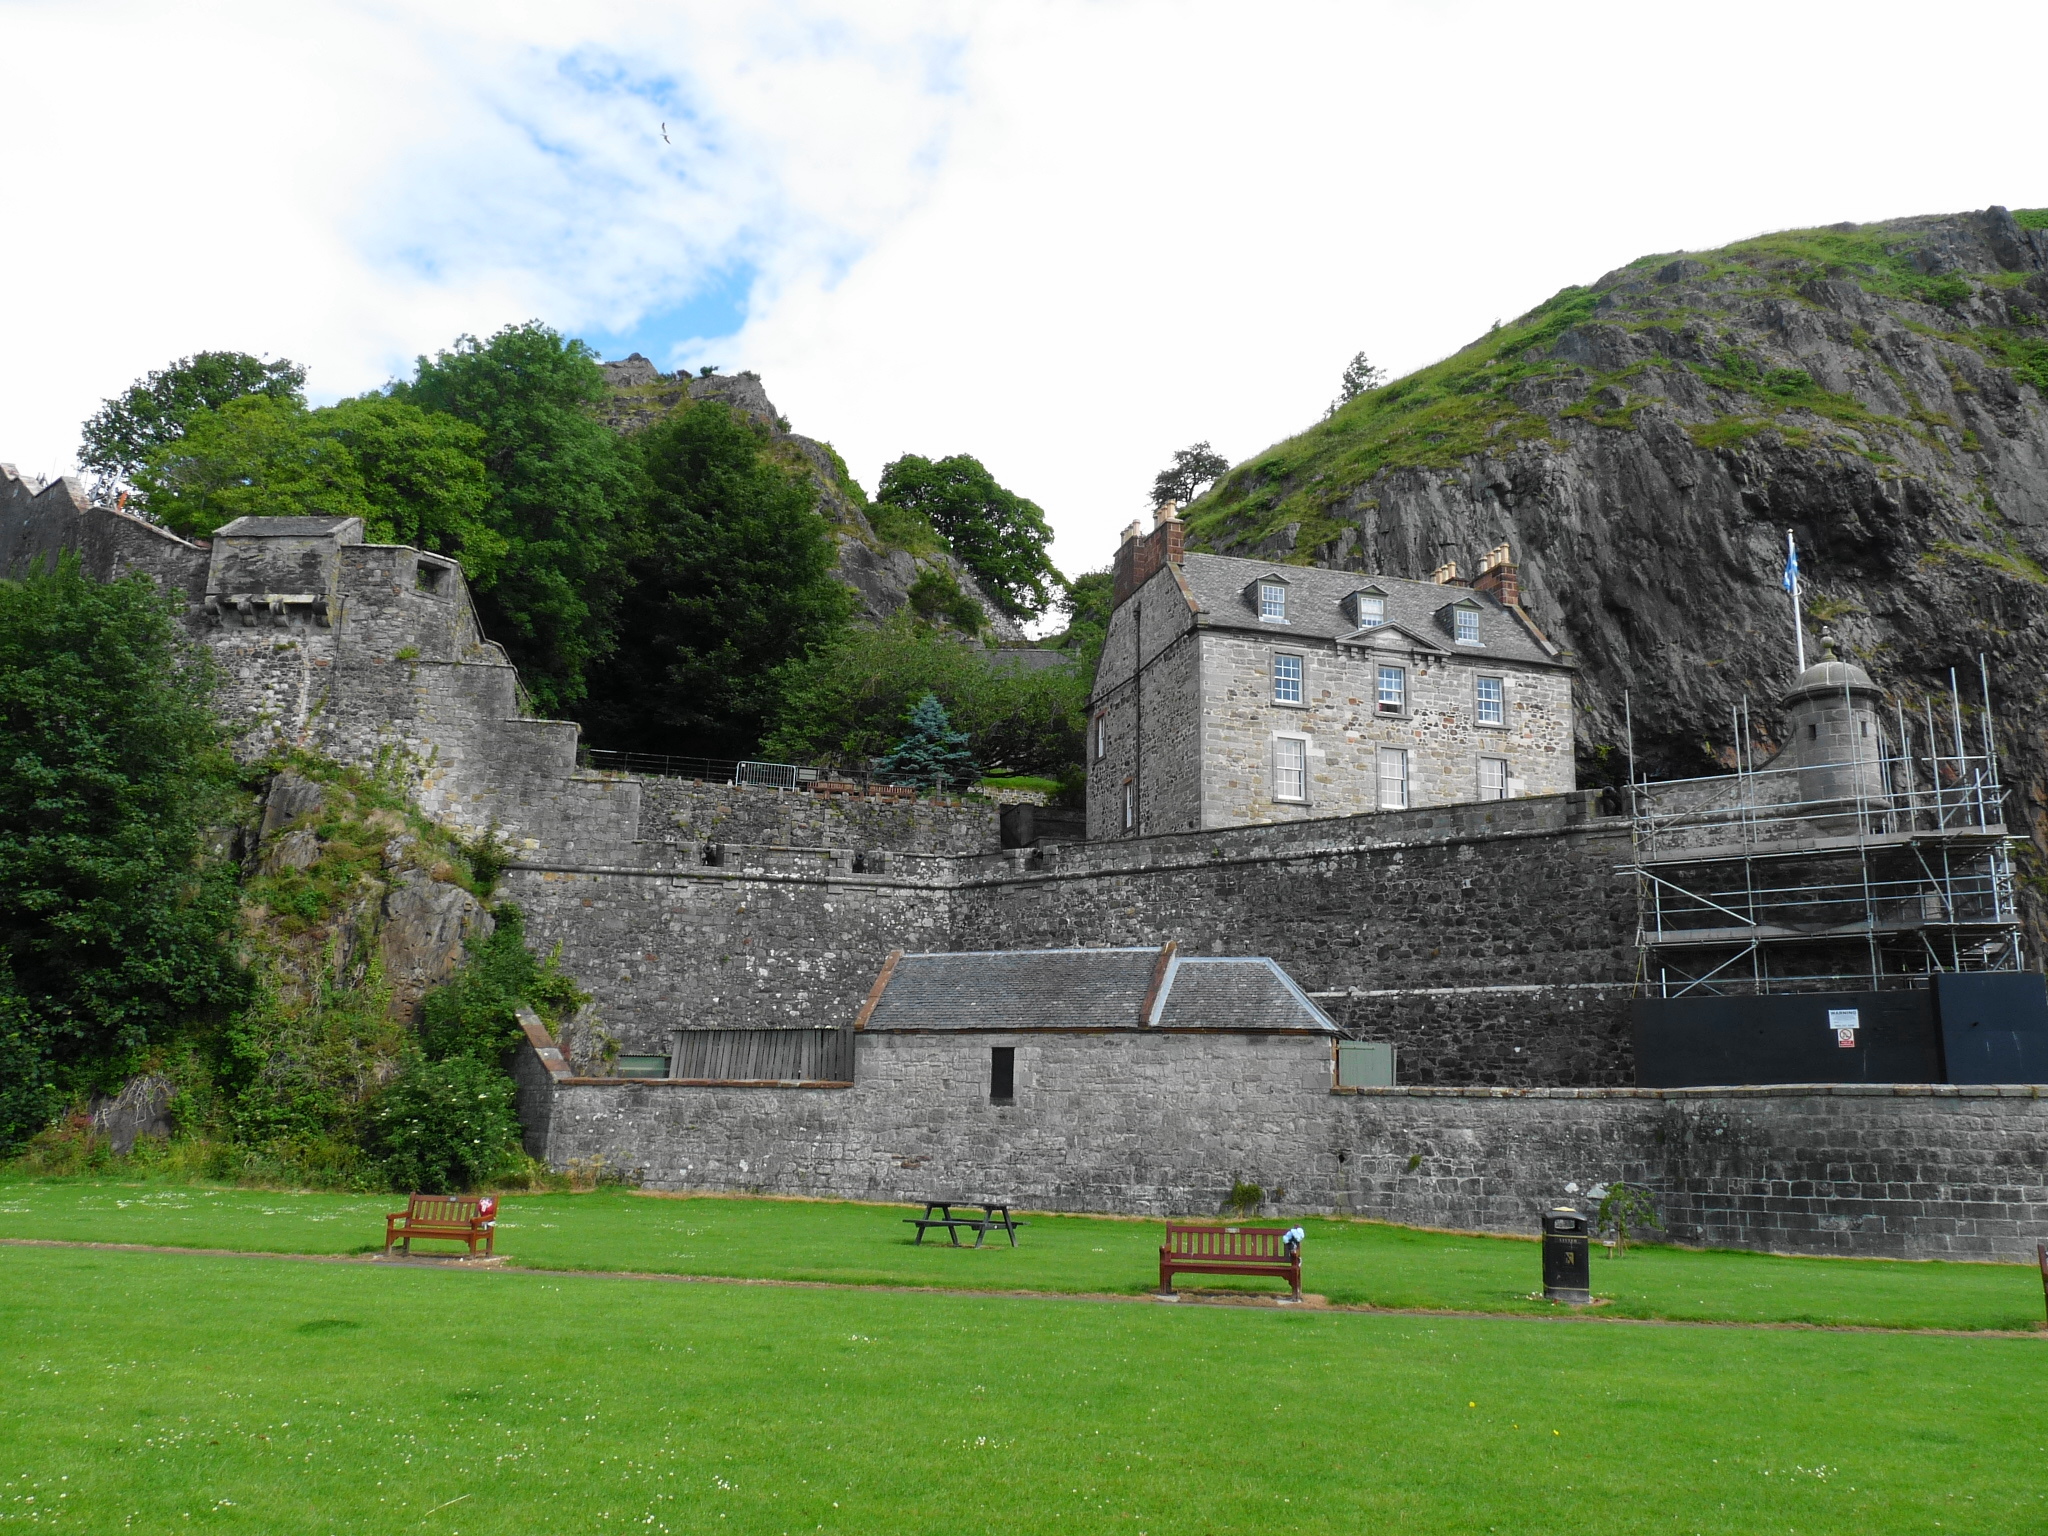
1875, 872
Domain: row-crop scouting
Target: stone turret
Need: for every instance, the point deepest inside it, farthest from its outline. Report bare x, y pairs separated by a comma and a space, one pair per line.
1835, 735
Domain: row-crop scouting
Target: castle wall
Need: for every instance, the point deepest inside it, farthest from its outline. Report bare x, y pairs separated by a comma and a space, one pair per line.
1425, 914
1165, 1126
684, 814
1344, 731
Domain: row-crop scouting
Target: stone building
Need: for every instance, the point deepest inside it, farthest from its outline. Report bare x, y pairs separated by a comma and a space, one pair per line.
1233, 692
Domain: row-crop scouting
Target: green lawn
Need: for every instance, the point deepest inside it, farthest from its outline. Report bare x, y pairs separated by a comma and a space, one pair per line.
185, 1393
1348, 1262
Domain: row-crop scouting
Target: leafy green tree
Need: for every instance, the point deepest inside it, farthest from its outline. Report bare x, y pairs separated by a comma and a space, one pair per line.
996, 533
1192, 468
253, 457
733, 579
1086, 603
412, 476
155, 410
564, 493
115, 924
933, 755
1359, 376
847, 703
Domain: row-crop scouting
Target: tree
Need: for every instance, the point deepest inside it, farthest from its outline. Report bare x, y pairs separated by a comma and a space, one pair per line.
733, 579
847, 702
1087, 603
156, 409
1193, 467
413, 476
933, 755
996, 534
1359, 376
564, 494
115, 924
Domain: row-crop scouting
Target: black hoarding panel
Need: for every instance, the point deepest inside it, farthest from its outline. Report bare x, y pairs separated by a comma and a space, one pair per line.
1711, 1042
1994, 1026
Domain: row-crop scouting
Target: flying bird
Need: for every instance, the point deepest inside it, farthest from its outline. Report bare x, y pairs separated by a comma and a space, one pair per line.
664, 133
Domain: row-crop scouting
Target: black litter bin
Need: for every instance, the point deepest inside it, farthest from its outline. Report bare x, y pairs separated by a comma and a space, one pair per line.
1566, 1253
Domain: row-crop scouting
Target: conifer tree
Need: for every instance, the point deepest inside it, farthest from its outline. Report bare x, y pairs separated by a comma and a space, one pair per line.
933, 755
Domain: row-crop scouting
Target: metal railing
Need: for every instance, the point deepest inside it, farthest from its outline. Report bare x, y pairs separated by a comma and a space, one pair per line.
748, 771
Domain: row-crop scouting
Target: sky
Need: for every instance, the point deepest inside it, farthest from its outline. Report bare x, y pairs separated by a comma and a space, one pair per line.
1067, 238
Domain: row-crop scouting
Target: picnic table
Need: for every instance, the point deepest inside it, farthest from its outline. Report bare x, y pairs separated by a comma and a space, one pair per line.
994, 1215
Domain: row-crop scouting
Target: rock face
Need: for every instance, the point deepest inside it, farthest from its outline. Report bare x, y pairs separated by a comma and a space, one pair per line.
1645, 444
881, 576
141, 1108
426, 924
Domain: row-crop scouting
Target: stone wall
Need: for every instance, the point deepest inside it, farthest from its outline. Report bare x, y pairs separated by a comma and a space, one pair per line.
1164, 1125
686, 814
1425, 915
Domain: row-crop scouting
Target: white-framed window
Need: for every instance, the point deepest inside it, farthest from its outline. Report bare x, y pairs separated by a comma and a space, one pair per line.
1493, 778
1101, 737
1290, 768
1272, 602
1372, 611
1130, 807
1466, 624
1393, 779
1287, 682
1493, 700
1393, 691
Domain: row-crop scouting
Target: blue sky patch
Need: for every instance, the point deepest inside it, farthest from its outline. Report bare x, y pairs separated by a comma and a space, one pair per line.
717, 309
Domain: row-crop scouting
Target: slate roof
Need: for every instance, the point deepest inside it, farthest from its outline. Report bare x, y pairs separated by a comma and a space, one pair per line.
284, 527
1089, 989
1317, 607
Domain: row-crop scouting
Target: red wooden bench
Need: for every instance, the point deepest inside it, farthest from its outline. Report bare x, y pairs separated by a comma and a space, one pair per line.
451, 1218
1207, 1250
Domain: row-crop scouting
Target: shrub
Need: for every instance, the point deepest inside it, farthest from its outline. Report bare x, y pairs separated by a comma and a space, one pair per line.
476, 1014
445, 1125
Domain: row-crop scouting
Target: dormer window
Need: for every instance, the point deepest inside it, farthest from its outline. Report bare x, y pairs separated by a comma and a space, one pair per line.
1466, 622
1370, 609
1272, 602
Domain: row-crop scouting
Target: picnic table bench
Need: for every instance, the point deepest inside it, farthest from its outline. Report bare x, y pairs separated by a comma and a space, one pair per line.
995, 1216
451, 1218
1211, 1250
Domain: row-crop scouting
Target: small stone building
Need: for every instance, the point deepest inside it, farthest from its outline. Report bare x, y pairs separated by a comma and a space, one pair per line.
1233, 692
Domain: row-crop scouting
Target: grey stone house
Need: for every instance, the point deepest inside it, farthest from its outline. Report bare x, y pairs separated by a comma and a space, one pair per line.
1234, 692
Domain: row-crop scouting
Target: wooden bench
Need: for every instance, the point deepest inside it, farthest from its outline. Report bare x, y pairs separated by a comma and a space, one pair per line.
451, 1218
1207, 1250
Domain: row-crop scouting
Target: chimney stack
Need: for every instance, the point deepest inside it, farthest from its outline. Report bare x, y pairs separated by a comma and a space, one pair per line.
1446, 575
1140, 555
1500, 577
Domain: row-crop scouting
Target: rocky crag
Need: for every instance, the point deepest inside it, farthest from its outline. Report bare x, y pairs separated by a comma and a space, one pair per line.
1645, 443
880, 572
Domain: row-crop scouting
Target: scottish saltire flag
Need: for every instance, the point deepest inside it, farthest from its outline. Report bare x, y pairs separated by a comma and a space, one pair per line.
1791, 581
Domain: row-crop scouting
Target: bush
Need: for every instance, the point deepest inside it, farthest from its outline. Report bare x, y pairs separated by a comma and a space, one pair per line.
476, 1014
443, 1126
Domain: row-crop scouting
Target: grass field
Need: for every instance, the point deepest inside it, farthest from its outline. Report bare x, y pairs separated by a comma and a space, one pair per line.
157, 1393
1350, 1263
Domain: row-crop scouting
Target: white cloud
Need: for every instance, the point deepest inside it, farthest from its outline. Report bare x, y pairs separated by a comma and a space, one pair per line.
1065, 237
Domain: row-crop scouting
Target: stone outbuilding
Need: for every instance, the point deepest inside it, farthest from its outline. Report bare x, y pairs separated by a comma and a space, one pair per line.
1234, 692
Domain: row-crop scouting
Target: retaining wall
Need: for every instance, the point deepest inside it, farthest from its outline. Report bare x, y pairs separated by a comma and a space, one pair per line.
1141, 1125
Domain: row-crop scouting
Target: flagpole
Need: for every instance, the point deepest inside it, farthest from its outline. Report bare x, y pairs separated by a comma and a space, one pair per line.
1792, 586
